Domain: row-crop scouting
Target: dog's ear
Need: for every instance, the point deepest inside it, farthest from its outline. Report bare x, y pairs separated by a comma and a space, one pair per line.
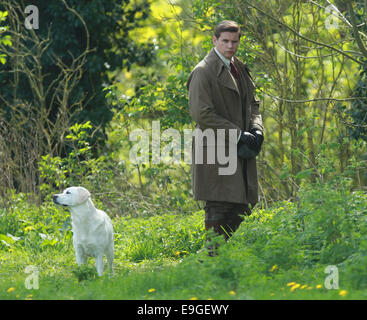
83, 194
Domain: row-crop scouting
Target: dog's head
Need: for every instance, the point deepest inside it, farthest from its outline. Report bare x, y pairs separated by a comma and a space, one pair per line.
72, 196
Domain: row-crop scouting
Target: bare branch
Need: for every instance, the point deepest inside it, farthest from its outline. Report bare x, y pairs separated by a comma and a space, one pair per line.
355, 28
314, 99
298, 34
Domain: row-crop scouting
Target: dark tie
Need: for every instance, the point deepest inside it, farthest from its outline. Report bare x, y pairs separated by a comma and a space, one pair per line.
234, 71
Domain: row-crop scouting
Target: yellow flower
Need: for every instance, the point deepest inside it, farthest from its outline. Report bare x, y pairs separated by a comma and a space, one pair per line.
290, 284
193, 298
232, 293
26, 229
273, 268
151, 290
304, 286
10, 290
294, 287
343, 293
319, 286
177, 253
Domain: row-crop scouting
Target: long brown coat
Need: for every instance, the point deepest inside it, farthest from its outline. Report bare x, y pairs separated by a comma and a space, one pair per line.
216, 102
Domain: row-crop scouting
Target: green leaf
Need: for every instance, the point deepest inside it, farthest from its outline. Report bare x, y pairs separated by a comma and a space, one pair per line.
8, 239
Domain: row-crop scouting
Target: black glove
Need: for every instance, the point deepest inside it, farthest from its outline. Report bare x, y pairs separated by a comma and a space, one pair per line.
259, 137
248, 139
249, 144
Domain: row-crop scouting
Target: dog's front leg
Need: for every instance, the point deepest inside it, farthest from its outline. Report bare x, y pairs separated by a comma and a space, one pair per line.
81, 257
99, 264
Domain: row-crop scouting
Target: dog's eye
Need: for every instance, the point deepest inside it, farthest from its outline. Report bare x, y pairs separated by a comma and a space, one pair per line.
68, 192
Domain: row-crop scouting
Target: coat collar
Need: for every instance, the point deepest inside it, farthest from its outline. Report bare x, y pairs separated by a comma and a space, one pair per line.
213, 60
216, 64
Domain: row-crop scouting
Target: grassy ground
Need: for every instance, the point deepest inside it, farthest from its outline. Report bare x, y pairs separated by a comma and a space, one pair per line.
279, 253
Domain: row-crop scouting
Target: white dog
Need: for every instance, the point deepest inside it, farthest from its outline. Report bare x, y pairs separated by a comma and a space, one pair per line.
92, 228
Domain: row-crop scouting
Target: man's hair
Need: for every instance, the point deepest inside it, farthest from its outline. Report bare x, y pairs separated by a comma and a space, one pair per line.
227, 26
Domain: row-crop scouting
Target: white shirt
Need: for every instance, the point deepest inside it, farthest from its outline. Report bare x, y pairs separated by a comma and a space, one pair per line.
226, 61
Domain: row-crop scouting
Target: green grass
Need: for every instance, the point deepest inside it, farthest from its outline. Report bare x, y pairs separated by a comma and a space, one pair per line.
277, 253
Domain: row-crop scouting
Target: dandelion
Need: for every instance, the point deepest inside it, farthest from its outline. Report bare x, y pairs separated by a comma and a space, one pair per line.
303, 287
343, 293
274, 267
319, 286
193, 298
290, 284
10, 290
177, 253
232, 293
29, 228
151, 290
294, 287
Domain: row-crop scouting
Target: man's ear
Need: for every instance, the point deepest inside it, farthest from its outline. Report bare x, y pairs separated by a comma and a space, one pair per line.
214, 40
83, 194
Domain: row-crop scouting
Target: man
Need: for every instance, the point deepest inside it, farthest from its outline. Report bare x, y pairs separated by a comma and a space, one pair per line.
221, 96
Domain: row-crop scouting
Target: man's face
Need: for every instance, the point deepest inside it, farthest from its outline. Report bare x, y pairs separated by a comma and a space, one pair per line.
227, 43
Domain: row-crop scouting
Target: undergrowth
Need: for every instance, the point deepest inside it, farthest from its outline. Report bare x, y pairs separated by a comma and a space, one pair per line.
278, 253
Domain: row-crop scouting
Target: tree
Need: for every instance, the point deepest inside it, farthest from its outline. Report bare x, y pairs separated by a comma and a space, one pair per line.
357, 112
54, 77
99, 28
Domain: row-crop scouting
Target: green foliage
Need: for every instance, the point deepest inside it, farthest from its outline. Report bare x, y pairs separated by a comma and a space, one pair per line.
68, 171
4, 40
109, 46
357, 113
85, 272
160, 236
326, 227
277, 253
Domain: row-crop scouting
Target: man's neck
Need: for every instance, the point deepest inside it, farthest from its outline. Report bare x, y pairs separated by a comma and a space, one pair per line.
225, 60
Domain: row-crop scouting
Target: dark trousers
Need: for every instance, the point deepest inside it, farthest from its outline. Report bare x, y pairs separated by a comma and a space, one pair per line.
224, 217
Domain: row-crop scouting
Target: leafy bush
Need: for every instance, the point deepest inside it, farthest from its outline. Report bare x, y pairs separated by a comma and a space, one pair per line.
160, 236
326, 227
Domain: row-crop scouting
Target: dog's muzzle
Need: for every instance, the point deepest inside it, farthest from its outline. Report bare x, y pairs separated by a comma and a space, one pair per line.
54, 199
